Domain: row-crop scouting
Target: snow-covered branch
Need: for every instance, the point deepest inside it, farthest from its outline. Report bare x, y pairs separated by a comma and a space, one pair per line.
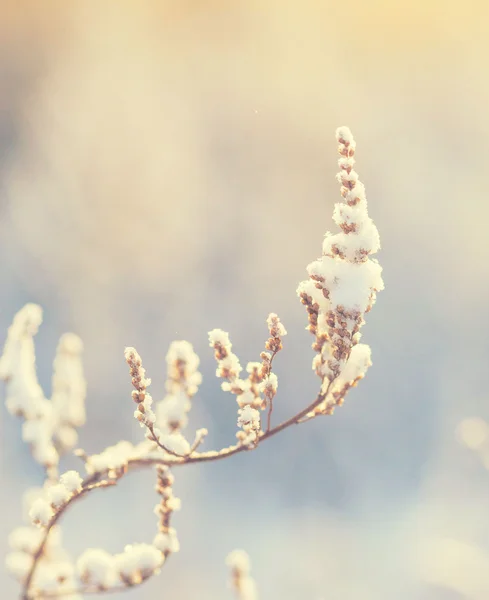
340, 290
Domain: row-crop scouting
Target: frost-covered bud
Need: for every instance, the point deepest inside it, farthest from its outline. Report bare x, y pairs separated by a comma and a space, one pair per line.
58, 495
144, 412
275, 327
274, 342
45, 454
165, 476
138, 562
41, 512
248, 416
219, 337
18, 564
253, 367
66, 437
228, 365
244, 585
344, 136
239, 560
171, 412
354, 370
69, 388
25, 539
96, 567
28, 499
18, 364
48, 426
72, 481
112, 458
167, 542
55, 576
182, 363
270, 386
173, 504
200, 435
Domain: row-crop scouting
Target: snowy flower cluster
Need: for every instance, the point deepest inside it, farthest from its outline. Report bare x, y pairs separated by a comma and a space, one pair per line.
55, 497
228, 365
49, 425
166, 539
98, 570
96, 567
183, 375
55, 570
354, 370
343, 283
243, 584
164, 426
257, 391
113, 459
182, 383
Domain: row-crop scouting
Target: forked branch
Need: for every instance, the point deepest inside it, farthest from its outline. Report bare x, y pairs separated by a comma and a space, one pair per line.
340, 290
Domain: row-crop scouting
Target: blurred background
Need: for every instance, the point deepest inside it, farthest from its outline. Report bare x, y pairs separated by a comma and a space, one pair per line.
169, 167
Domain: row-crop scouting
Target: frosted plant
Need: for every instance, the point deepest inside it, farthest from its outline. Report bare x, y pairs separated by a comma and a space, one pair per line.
340, 290
241, 581
49, 426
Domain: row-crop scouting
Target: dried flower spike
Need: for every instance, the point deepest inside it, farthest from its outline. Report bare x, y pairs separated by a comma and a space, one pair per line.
342, 286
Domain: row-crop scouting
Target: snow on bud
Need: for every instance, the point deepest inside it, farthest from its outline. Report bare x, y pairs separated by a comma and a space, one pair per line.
248, 416
18, 564
41, 512
218, 336
58, 495
167, 542
72, 481
96, 567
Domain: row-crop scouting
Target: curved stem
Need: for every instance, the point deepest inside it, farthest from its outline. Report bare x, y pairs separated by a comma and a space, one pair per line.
88, 486
270, 406
92, 482
231, 450
118, 588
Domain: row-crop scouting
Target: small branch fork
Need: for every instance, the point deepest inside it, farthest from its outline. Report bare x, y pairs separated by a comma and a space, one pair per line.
93, 482
155, 439
87, 486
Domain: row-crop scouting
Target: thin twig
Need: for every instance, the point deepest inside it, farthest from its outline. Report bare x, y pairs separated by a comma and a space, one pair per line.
270, 405
162, 446
197, 442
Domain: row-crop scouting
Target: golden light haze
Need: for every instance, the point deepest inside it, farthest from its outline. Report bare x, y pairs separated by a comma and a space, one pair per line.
169, 167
